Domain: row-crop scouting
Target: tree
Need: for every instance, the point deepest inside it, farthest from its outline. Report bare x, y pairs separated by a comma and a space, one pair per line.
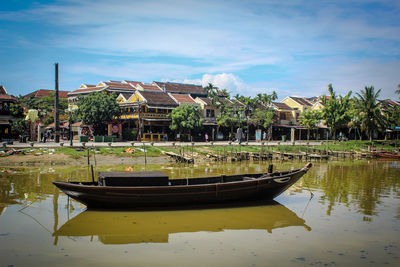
393, 116
228, 116
335, 111
398, 89
263, 117
212, 93
310, 119
96, 109
355, 122
19, 127
45, 106
186, 118
369, 111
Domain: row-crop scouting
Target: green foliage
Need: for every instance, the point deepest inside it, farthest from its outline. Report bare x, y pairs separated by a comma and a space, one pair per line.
96, 109
212, 93
398, 90
310, 119
369, 111
45, 105
186, 118
229, 116
16, 110
335, 113
393, 116
263, 117
19, 127
129, 134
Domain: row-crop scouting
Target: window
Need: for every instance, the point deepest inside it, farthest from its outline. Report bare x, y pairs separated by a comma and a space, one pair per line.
210, 113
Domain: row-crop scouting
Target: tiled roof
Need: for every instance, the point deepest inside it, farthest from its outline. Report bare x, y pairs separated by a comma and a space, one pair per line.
46, 92
134, 83
206, 100
282, 106
87, 90
181, 88
126, 95
387, 103
157, 98
119, 85
301, 101
312, 100
148, 87
7, 97
181, 98
3, 90
237, 103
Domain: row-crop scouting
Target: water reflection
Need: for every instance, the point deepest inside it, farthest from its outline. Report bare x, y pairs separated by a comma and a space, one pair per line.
361, 185
114, 227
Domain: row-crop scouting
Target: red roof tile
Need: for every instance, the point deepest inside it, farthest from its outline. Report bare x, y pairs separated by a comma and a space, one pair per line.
301, 101
46, 92
183, 98
7, 97
157, 98
181, 88
119, 85
134, 83
86, 90
282, 106
147, 87
206, 100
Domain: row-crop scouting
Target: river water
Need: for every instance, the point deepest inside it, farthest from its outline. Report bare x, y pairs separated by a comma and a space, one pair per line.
353, 219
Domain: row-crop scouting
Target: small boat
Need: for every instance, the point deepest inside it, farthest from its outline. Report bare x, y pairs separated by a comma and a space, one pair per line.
388, 155
121, 190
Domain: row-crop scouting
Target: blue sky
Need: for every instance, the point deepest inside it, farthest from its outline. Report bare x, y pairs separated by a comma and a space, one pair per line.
249, 47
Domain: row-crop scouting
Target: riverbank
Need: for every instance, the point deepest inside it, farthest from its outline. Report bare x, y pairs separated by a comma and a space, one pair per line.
155, 153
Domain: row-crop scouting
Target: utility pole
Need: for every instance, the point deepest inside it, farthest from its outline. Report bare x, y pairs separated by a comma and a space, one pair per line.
56, 114
139, 122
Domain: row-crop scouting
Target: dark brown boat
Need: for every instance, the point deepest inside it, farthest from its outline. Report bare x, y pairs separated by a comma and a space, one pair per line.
120, 190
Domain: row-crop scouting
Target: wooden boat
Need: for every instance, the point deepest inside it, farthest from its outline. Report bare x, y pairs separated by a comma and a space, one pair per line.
122, 190
387, 155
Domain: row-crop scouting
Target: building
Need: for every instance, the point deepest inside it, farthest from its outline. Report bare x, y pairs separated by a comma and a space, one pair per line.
116, 87
147, 112
6, 119
46, 92
297, 103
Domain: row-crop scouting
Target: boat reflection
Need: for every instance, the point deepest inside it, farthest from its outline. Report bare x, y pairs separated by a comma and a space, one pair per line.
119, 227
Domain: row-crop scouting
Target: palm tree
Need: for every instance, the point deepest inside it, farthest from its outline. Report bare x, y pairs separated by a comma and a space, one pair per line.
398, 90
370, 111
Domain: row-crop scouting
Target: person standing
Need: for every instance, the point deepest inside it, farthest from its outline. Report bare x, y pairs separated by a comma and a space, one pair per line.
206, 137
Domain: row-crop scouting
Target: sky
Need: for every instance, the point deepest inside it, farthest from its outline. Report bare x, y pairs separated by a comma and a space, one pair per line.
247, 47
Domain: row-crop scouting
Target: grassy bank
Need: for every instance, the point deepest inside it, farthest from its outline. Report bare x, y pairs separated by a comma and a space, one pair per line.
151, 151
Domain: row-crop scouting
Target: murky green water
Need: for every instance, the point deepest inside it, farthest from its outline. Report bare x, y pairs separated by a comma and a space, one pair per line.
352, 220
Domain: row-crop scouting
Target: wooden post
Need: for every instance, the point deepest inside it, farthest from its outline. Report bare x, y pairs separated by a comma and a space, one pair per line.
56, 107
145, 158
91, 169
88, 160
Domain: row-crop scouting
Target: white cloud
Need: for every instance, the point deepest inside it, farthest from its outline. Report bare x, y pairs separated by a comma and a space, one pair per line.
295, 46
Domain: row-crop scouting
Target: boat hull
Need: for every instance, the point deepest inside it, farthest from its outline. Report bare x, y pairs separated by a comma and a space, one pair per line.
122, 197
